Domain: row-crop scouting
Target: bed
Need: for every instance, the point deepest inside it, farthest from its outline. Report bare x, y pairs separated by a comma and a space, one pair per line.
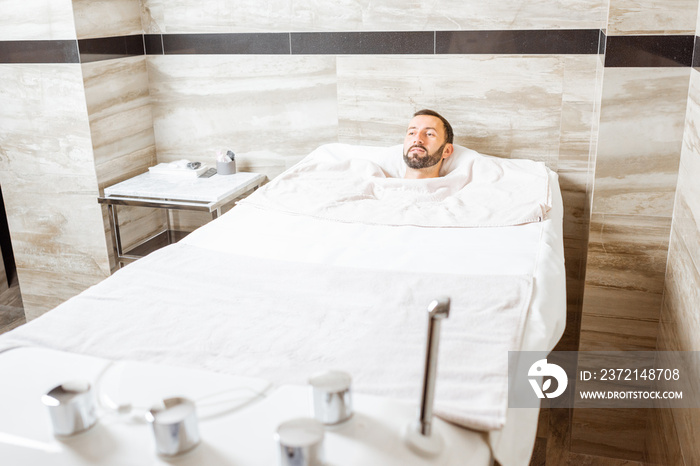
331, 266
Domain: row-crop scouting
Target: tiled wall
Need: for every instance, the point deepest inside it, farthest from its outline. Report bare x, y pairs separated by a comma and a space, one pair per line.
36, 20
680, 324
47, 170
642, 123
107, 18
187, 16
652, 17
119, 109
123, 141
641, 128
510, 93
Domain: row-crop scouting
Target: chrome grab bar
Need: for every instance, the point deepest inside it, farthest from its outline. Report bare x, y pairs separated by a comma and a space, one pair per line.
419, 435
437, 310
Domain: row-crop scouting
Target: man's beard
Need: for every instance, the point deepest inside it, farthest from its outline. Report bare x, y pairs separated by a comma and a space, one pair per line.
423, 161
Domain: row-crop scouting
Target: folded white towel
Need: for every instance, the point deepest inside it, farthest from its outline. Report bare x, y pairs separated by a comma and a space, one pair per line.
283, 321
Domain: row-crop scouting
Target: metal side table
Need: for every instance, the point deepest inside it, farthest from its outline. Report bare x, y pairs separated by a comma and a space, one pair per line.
171, 192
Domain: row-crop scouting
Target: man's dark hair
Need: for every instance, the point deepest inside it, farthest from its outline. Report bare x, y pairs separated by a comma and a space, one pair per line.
449, 134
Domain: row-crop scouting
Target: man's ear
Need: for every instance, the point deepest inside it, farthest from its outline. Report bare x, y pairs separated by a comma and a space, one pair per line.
448, 150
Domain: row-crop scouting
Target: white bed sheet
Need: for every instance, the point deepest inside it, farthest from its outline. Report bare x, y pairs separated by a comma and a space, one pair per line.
534, 249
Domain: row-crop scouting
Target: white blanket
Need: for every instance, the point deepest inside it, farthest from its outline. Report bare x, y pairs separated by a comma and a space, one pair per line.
283, 321
335, 182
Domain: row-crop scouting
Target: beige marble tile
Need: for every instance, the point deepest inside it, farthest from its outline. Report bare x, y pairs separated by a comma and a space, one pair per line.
509, 106
681, 298
686, 216
605, 14
624, 282
123, 141
628, 17
107, 18
518, 14
189, 16
270, 110
36, 20
57, 231
153, 16
577, 152
121, 122
48, 178
44, 290
627, 253
446, 15
577, 123
691, 136
680, 322
363, 15
576, 220
44, 130
641, 130
580, 78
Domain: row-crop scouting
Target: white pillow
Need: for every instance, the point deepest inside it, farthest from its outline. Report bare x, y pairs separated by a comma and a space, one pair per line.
390, 159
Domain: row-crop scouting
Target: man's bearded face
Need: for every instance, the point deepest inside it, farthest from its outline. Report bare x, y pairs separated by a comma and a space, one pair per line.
417, 156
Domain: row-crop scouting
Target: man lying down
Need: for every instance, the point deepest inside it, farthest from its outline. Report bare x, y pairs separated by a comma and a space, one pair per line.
428, 142
429, 182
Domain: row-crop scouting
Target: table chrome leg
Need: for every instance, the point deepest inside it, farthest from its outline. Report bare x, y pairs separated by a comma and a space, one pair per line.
116, 235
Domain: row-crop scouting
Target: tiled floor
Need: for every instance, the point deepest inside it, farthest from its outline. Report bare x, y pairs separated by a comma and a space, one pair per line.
11, 309
553, 444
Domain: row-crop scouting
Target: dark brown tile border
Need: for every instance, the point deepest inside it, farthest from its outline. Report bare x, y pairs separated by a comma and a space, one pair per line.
107, 48
649, 51
363, 43
224, 44
619, 51
39, 51
153, 44
540, 42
